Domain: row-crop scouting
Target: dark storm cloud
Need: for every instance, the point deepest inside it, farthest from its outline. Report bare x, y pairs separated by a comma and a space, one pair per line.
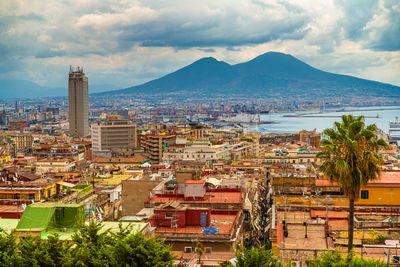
228, 28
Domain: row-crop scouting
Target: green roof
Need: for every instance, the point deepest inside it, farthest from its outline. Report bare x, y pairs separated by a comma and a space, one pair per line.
36, 218
41, 216
114, 226
8, 224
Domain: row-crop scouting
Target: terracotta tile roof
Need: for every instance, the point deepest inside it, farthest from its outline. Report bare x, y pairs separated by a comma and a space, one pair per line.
388, 177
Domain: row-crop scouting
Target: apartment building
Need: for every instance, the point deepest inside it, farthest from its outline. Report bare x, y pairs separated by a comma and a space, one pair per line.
196, 151
112, 133
156, 144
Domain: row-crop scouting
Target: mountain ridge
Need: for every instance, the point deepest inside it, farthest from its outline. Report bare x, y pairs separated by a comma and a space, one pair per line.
272, 74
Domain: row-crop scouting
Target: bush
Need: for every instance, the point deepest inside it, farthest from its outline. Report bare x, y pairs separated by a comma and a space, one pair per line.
336, 259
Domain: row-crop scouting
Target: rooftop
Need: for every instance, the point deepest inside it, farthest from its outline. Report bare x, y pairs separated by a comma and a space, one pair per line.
210, 197
225, 224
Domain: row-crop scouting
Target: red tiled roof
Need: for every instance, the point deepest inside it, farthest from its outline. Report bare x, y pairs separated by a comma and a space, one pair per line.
388, 177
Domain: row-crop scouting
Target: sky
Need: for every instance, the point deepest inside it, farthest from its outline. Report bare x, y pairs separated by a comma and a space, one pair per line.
125, 43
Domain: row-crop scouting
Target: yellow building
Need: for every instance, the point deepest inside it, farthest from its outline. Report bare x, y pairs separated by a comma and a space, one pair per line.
382, 193
37, 191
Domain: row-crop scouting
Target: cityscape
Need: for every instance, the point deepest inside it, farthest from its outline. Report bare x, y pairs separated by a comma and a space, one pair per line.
224, 146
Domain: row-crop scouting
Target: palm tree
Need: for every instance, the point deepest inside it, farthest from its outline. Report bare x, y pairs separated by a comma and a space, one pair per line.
350, 158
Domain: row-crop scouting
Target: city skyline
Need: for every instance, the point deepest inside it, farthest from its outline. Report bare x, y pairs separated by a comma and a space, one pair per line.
140, 41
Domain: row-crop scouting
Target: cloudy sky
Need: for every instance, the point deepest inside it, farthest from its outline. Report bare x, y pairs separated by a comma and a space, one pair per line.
125, 43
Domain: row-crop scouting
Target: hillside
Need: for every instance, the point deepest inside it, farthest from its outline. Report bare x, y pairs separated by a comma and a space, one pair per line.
270, 74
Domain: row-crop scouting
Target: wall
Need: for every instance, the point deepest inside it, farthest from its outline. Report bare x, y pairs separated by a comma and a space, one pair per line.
134, 194
194, 190
193, 217
378, 196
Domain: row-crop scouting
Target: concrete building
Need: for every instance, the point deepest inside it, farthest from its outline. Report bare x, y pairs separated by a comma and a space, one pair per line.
156, 144
18, 124
113, 133
21, 143
78, 103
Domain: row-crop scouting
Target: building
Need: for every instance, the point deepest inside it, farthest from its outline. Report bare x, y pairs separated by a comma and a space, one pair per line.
196, 151
113, 133
78, 103
21, 143
18, 124
156, 144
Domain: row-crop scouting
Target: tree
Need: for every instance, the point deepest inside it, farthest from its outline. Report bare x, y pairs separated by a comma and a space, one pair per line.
51, 252
91, 246
200, 252
335, 258
350, 158
95, 247
8, 250
136, 250
256, 257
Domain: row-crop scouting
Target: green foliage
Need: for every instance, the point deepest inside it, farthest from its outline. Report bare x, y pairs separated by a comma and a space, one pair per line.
336, 259
90, 246
350, 157
256, 257
36, 252
8, 250
136, 250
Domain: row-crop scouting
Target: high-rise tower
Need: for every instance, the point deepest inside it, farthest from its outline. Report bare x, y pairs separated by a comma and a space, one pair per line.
78, 103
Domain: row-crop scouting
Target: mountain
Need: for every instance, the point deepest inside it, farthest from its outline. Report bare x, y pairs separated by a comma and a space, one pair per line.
270, 74
27, 89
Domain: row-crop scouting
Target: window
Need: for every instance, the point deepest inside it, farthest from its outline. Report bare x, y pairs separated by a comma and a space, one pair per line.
188, 249
31, 196
364, 194
207, 249
168, 215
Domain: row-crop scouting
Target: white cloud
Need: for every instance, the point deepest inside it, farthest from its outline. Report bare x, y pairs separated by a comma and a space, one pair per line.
127, 43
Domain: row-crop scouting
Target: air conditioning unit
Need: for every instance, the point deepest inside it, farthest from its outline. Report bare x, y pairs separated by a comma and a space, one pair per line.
296, 263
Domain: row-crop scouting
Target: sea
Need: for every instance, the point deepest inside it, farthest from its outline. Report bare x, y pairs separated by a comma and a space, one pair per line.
310, 120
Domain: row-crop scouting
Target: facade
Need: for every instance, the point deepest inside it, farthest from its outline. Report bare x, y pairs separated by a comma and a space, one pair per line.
22, 143
196, 151
78, 103
113, 134
156, 144
18, 124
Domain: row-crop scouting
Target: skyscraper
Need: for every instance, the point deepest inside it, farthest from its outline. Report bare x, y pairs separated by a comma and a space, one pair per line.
78, 103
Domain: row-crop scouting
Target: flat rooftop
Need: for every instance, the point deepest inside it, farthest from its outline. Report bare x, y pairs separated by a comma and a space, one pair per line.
225, 224
296, 237
210, 197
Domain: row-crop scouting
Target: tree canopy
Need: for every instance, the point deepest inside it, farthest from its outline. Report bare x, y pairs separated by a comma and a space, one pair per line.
336, 259
350, 157
90, 246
